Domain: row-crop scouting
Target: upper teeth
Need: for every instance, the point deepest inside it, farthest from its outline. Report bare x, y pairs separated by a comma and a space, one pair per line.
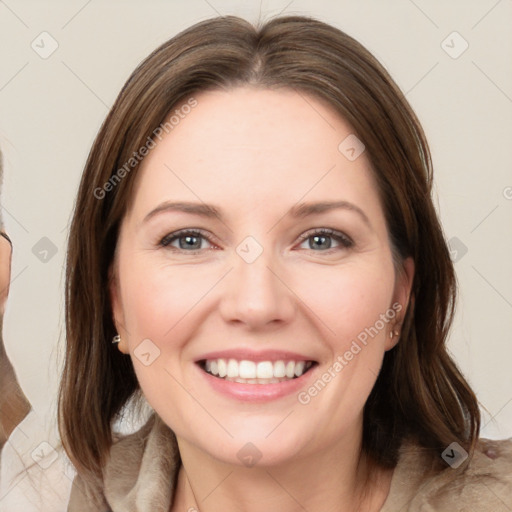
256, 370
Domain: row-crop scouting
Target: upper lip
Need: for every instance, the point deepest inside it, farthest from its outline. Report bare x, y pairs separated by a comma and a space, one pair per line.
241, 354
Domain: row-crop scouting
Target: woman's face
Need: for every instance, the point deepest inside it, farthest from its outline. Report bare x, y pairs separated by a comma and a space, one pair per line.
253, 291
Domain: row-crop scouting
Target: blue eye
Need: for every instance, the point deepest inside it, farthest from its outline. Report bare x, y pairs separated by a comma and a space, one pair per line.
323, 239
320, 240
188, 240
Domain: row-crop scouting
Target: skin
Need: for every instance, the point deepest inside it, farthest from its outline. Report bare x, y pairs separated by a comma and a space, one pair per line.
14, 406
5, 271
255, 154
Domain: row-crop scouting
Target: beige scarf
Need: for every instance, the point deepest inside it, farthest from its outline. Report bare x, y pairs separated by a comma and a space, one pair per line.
142, 470
140, 475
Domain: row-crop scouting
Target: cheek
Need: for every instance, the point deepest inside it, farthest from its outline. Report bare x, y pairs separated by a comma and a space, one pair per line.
160, 306
345, 299
348, 299
157, 298
156, 302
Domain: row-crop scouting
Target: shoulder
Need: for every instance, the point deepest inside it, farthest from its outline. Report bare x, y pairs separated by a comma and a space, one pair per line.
482, 482
138, 471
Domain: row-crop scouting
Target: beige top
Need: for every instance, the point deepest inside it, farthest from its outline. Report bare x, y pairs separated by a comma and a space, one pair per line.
142, 470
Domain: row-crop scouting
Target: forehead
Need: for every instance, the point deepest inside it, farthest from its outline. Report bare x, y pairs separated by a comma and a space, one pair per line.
255, 147
273, 125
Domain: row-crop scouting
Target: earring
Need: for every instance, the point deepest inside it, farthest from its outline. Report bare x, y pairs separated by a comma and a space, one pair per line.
394, 333
116, 339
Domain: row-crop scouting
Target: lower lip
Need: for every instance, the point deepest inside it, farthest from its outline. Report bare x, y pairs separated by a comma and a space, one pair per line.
256, 392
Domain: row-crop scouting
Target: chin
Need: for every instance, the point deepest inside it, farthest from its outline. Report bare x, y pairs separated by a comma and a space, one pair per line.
251, 448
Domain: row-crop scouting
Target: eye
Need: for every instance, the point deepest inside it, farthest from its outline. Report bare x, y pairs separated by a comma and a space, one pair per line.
189, 240
322, 239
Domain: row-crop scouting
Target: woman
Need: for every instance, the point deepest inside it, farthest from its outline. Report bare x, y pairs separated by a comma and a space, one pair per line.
32, 477
254, 233
14, 405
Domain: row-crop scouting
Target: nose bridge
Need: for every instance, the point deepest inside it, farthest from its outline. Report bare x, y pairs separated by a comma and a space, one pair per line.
255, 295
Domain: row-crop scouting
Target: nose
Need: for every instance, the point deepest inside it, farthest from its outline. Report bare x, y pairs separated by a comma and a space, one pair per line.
256, 294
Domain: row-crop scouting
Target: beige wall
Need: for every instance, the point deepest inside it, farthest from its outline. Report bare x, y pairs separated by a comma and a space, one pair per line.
51, 109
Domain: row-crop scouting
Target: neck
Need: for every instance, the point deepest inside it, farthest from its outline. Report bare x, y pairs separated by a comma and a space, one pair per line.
336, 479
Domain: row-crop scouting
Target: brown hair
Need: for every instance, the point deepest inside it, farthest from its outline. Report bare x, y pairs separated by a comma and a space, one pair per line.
419, 392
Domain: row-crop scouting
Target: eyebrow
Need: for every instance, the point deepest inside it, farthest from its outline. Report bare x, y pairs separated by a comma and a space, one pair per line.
298, 211
200, 209
306, 209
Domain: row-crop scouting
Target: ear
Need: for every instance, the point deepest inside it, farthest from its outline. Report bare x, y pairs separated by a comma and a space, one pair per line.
401, 298
117, 308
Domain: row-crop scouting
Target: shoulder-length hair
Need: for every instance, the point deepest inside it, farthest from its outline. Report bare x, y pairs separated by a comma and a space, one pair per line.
419, 392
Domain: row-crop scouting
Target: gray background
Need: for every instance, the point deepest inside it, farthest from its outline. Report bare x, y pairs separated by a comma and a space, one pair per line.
51, 108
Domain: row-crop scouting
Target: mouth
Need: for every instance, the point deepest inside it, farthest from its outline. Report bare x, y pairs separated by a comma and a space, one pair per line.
255, 372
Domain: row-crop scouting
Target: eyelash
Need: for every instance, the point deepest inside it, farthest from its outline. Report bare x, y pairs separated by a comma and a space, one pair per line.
344, 240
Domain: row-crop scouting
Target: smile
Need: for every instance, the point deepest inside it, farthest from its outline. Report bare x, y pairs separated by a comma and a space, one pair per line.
255, 372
